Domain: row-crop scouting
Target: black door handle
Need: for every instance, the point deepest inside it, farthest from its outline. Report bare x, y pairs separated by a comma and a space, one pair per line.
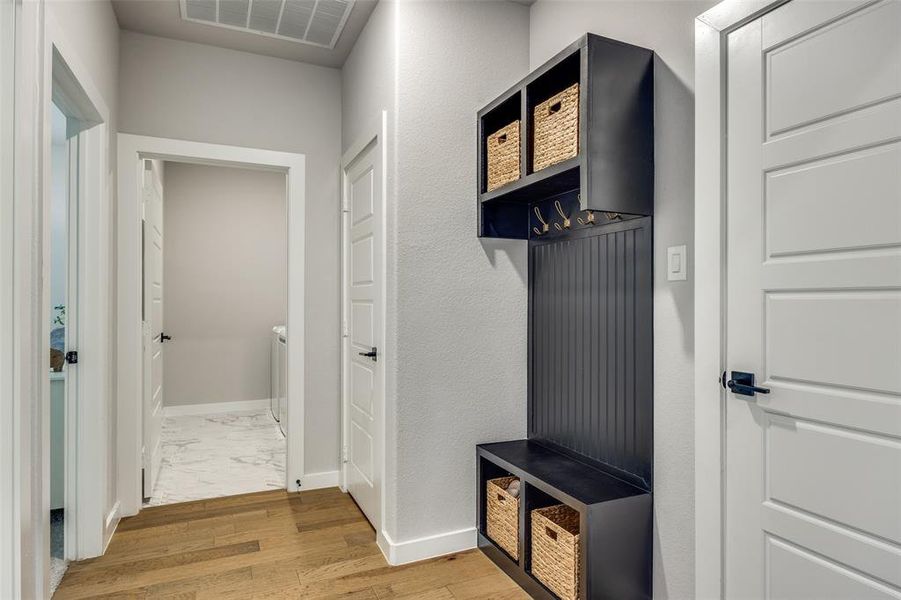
742, 384
164, 337
373, 354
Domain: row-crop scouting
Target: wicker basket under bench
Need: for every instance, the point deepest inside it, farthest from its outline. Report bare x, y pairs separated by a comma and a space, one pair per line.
502, 519
555, 549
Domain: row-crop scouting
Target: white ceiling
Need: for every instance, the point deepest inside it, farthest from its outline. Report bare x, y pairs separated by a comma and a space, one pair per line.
163, 18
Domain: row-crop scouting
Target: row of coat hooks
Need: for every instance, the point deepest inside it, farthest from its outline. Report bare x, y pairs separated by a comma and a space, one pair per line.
566, 221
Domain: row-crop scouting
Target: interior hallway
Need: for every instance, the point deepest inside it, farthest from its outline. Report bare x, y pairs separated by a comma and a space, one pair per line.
273, 544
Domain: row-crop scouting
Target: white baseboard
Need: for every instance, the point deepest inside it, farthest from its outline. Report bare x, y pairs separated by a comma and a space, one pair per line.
317, 481
110, 524
400, 553
214, 407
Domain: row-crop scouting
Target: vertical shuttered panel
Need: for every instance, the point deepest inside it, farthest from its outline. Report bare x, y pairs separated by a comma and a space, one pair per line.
591, 345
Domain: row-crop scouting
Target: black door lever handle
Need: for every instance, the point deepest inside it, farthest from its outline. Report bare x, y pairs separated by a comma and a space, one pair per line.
373, 354
164, 337
742, 384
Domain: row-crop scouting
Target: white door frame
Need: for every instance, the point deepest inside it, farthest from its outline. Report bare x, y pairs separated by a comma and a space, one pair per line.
92, 515
376, 133
132, 148
40, 46
711, 31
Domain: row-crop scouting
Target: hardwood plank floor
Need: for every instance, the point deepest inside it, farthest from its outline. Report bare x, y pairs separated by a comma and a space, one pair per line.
270, 545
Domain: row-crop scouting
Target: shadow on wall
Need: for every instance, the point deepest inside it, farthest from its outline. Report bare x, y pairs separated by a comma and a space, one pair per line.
516, 253
674, 198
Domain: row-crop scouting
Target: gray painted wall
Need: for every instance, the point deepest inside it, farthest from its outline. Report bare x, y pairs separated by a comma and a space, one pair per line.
187, 91
461, 303
368, 87
666, 26
456, 326
225, 265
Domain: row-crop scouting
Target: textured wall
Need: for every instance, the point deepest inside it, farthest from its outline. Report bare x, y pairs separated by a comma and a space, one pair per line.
368, 87
225, 265
202, 93
456, 314
461, 302
666, 26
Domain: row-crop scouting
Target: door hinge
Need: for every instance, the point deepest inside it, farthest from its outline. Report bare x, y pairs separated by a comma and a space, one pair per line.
344, 331
72, 357
343, 456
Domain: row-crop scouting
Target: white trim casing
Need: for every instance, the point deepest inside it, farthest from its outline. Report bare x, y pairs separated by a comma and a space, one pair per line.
15, 578
210, 408
65, 78
9, 576
711, 30
131, 149
317, 481
22, 533
401, 553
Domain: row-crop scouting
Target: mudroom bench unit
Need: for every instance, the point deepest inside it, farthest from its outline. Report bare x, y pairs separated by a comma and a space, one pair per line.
614, 518
566, 162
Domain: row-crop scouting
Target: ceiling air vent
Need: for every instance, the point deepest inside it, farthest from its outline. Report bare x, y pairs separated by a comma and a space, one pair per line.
314, 22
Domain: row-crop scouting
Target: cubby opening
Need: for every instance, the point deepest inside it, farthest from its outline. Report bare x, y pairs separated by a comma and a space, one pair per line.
487, 471
533, 498
507, 111
556, 79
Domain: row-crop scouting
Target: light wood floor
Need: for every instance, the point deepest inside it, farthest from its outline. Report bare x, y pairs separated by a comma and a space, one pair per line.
270, 545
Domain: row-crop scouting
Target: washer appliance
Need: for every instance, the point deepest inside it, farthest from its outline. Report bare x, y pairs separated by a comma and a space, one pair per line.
282, 352
277, 331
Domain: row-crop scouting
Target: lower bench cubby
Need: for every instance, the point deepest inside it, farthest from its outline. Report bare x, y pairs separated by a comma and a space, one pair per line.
613, 541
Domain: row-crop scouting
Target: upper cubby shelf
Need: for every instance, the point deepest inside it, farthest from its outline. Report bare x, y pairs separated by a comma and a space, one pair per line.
585, 125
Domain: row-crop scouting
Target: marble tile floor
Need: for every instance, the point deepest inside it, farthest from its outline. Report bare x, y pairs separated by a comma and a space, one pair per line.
214, 455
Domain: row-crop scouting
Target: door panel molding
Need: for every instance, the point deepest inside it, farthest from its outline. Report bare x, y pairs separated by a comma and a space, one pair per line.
364, 304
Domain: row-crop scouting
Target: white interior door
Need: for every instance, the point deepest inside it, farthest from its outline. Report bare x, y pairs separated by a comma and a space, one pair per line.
363, 367
153, 323
813, 468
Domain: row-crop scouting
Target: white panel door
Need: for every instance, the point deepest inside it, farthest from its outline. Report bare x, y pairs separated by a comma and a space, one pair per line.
813, 468
153, 324
363, 368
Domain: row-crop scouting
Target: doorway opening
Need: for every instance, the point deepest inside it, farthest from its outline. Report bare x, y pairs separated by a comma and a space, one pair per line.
215, 267
218, 358
63, 317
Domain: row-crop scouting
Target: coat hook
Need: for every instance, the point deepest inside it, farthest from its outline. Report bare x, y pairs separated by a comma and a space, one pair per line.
612, 216
544, 226
589, 220
567, 223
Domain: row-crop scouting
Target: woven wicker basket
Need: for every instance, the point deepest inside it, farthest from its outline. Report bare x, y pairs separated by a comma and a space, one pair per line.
556, 128
555, 549
503, 515
503, 156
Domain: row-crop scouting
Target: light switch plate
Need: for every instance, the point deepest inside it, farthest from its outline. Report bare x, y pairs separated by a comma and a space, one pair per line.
676, 263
